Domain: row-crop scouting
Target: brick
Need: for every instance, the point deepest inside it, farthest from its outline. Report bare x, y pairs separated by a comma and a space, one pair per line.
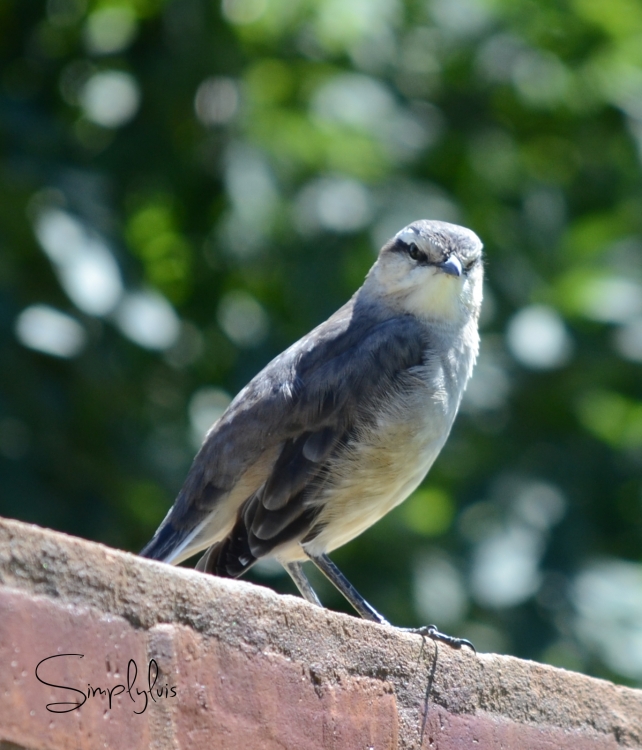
248, 698
33, 628
483, 731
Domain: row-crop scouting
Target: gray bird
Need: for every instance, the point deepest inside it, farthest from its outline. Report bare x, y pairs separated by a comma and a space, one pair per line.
342, 426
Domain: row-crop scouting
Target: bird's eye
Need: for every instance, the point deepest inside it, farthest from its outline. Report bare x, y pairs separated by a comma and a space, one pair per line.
415, 253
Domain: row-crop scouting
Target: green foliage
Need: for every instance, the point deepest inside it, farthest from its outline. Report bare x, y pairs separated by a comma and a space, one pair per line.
187, 186
429, 511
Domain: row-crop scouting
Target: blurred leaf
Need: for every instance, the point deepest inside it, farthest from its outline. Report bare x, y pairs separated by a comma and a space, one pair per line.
429, 512
612, 418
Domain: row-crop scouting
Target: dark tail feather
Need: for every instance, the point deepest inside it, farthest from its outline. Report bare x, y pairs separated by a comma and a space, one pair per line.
229, 558
232, 556
165, 541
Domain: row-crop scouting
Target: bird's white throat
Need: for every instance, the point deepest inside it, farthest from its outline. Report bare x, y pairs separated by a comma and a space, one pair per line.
437, 298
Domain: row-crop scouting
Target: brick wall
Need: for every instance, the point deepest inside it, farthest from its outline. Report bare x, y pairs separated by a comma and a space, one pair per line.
234, 666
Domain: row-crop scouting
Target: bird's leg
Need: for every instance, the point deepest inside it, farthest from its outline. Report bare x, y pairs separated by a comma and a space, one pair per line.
295, 569
368, 612
336, 577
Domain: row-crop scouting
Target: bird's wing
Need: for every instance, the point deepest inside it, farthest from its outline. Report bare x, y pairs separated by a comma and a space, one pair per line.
281, 429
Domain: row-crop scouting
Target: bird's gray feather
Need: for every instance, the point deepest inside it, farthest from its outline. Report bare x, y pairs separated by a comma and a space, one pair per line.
306, 403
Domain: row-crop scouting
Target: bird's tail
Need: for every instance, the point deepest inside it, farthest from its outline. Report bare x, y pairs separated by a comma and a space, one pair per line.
164, 544
230, 557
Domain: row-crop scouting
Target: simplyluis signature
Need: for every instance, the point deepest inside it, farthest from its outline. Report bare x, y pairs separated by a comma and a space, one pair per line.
135, 693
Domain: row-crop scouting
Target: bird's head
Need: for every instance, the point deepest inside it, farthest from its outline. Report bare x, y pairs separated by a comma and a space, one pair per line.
432, 270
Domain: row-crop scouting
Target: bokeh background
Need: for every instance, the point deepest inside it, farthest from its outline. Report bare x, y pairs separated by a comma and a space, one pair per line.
187, 186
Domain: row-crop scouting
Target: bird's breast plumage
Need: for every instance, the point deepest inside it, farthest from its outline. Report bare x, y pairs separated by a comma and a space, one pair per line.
388, 457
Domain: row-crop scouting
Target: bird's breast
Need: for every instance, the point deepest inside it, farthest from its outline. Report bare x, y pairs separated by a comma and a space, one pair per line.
388, 457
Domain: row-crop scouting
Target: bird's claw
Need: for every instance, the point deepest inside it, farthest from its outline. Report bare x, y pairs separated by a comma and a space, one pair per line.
431, 631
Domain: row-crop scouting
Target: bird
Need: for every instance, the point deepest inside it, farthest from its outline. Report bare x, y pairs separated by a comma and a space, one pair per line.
342, 426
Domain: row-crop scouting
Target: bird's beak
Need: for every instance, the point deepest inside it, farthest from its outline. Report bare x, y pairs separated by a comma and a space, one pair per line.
452, 266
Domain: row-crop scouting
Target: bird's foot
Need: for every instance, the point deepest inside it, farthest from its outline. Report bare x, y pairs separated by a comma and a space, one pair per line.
431, 631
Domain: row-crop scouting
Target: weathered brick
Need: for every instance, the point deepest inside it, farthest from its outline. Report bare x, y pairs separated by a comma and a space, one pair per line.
248, 698
33, 628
